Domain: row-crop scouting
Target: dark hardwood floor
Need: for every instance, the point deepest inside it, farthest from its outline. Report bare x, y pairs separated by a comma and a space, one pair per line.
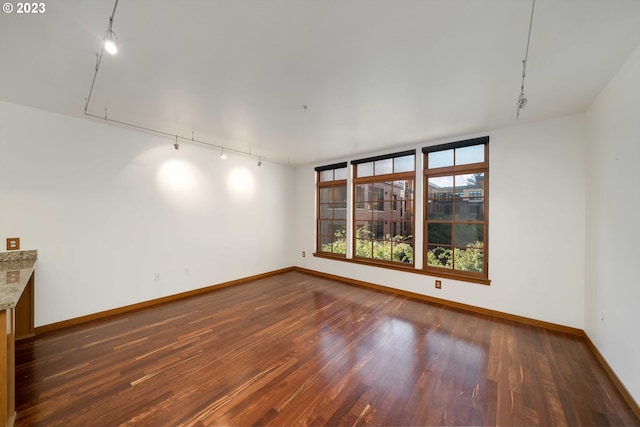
296, 350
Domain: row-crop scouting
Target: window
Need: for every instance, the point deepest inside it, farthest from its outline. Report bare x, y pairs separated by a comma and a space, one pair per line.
384, 208
332, 209
376, 195
360, 198
456, 216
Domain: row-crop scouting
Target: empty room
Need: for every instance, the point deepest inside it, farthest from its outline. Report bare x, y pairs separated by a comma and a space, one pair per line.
319, 213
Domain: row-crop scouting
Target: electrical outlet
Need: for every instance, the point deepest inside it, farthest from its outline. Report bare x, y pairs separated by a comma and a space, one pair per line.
304, 254
13, 243
156, 276
187, 272
602, 316
438, 284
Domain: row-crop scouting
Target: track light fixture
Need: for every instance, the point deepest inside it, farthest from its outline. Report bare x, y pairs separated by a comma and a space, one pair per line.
522, 99
110, 39
111, 46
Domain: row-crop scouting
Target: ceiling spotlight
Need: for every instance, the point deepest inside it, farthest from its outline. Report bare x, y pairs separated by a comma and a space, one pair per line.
111, 40
259, 161
522, 101
223, 155
175, 144
111, 44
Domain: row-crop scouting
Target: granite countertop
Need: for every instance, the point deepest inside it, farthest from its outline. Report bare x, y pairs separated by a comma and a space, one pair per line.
16, 268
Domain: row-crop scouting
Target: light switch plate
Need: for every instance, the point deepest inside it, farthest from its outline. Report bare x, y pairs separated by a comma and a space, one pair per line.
13, 243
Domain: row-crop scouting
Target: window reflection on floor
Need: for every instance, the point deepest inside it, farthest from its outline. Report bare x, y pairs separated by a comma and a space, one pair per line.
389, 349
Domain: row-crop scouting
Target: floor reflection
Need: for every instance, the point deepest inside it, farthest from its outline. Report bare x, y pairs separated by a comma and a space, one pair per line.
420, 354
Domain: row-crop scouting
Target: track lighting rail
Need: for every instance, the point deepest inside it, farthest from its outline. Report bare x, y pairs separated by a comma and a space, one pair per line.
177, 137
522, 99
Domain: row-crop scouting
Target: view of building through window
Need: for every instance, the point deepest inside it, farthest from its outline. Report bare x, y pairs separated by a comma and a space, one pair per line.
455, 189
332, 209
455, 208
384, 190
384, 220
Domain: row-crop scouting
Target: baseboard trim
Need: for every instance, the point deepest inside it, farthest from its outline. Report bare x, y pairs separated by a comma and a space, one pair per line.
612, 375
461, 306
145, 304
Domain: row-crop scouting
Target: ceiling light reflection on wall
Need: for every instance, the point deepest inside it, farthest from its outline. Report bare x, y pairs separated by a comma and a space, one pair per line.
241, 184
182, 186
177, 176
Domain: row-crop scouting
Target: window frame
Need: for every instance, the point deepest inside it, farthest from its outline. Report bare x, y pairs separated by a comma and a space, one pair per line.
335, 183
453, 170
384, 179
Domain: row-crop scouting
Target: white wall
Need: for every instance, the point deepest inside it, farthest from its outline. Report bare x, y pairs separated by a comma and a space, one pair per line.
612, 316
107, 208
536, 230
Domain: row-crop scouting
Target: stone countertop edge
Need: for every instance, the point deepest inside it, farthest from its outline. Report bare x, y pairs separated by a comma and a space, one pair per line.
16, 268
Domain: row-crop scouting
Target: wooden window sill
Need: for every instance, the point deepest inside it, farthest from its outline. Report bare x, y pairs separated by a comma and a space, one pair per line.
409, 268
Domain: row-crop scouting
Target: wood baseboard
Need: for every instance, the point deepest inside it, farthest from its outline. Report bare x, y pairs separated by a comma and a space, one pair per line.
612, 375
467, 307
150, 303
153, 302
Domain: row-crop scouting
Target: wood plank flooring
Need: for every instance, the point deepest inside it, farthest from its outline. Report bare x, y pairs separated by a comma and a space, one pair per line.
298, 350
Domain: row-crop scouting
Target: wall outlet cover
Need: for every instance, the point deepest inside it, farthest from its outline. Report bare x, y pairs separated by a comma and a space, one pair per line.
13, 243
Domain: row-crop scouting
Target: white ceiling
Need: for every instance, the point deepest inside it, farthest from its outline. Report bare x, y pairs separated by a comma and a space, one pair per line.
374, 73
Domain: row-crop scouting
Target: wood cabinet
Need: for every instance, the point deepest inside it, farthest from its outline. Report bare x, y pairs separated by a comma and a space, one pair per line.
24, 312
16, 320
